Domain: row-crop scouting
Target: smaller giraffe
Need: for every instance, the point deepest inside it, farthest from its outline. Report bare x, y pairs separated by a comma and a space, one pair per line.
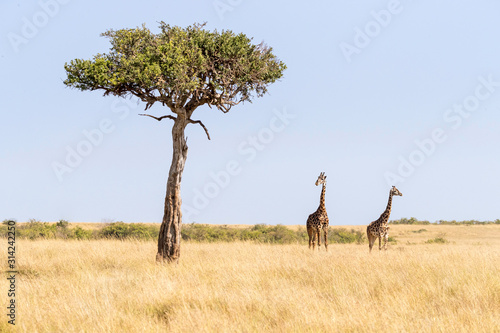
379, 229
318, 220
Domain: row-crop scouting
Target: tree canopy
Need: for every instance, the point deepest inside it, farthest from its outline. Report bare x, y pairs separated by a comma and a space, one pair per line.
182, 68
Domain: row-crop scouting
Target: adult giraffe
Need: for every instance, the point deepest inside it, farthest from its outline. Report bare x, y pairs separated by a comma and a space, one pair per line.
378, 228
318, 220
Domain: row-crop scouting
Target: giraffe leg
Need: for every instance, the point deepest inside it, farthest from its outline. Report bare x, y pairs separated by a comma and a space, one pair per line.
310, 233
325, 233
314, 239
386, 238
379, 242
371, 239
318, 232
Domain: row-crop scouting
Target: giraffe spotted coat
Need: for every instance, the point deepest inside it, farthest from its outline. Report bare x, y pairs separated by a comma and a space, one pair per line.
379, 229
318, 220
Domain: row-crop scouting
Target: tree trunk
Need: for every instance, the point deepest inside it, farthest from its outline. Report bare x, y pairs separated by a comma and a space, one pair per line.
169, 238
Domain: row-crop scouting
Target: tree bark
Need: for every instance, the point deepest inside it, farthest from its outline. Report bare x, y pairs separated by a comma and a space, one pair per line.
169, 238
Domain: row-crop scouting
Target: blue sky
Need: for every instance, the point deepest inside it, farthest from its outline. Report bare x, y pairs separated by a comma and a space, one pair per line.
403, 93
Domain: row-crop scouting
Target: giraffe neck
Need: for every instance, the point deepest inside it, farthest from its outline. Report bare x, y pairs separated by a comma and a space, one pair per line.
322, 207
384, 218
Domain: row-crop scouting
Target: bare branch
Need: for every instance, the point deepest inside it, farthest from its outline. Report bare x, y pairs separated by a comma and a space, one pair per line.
201, 124
226, 105
158, 118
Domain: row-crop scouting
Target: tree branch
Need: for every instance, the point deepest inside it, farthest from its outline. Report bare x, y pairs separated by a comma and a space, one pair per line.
158, 118
226, 105
201, 124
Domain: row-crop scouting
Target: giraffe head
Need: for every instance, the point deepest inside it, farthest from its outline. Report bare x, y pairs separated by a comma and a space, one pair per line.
395, 191
321, 179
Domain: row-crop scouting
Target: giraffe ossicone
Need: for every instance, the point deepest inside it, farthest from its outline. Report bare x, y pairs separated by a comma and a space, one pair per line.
318, 220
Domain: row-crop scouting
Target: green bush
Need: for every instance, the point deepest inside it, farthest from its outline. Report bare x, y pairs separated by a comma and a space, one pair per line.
205, 233
261, 233
80, 233
122, 230
437, 240
411, 220
35, 229
279, 234
344, 236
63, 224
258, 233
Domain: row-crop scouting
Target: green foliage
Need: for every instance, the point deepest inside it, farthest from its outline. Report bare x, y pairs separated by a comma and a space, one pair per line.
5, 225
440, 239
277, 234
437, 240
263, 233
260, 233
419, 231
343, 236
62, 224
81, 234
206, 233
466, 222
178, 65
411, 220
122, 230
36, 229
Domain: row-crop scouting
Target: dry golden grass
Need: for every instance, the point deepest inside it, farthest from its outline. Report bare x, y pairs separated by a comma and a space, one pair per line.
115, 286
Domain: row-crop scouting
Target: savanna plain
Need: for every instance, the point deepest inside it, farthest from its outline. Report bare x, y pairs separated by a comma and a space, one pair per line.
432, 278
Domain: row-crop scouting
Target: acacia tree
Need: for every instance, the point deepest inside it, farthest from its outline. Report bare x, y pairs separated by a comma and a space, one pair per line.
182, 69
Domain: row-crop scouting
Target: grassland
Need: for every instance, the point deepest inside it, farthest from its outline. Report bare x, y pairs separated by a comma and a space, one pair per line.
115, 286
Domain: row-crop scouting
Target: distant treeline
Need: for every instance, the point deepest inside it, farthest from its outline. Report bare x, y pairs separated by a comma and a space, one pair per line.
413, 220
260, 233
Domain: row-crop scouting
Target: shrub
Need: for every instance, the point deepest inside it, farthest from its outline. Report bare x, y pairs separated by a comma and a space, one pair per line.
344, 236
438, 240
279, 234
122, 230
35, 229
263, 233
80, 233
206, 233
62, 224
411, 220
